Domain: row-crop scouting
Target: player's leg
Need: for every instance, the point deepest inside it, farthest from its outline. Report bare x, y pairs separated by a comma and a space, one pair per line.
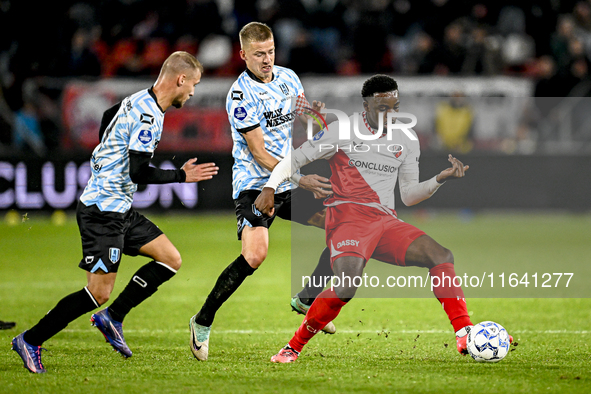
426, 252
142, 237
94, 228
406, 245
326, 307
255, 242
309, 211
323, 269
254, 234
166, 260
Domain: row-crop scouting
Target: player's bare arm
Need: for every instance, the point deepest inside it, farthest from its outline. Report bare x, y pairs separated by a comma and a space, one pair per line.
457, 170
256, 144
199, 172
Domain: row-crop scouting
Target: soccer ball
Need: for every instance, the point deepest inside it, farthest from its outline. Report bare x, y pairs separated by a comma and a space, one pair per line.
488, 342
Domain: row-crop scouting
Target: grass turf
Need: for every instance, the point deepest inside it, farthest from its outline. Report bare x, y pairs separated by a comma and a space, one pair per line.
382, 345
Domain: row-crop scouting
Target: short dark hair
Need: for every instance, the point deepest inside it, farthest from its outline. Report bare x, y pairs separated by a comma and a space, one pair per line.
254, 32
378, 84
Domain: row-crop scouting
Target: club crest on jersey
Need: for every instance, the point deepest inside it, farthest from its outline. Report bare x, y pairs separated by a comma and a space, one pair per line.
397, 150
145, 137
114, 255
147, 119
237, 95
284, 89
240, 113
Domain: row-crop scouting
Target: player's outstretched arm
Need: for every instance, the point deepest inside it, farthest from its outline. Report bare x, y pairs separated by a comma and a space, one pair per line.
457, 170
198, 172
413, 192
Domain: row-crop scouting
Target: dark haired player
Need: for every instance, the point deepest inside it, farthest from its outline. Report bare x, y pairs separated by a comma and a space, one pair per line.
361, 210
109, 226
260, 111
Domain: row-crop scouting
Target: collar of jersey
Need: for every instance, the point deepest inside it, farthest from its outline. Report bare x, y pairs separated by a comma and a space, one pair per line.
371, 130
151, 93
257, 79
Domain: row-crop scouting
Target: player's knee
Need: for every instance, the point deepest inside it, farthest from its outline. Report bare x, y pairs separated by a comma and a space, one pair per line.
256, 257
443, 255
101, 296
175, 261
346, 293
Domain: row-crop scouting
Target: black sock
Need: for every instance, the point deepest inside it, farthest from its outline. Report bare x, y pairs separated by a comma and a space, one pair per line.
229, 280
317, 280
67, 310
142, 285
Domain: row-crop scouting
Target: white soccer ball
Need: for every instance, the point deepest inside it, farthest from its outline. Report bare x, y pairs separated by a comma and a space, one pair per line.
488, 342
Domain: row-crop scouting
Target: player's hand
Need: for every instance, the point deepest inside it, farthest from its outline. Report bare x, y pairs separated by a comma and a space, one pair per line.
318, 185
199, 172
265, 202
318, 106
457, 170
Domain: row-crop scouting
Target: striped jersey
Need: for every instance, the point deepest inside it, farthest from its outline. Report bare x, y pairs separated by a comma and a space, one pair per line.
137, 126
252, 103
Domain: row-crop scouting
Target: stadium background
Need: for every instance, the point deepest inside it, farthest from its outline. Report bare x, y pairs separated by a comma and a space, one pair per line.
517, 74
455, 59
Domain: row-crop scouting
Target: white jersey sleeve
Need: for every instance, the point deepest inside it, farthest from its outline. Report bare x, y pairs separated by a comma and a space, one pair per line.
411, 190
322, 146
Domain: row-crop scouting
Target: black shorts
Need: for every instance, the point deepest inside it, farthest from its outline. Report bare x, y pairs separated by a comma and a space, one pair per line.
304, 205
297, 205
105, 235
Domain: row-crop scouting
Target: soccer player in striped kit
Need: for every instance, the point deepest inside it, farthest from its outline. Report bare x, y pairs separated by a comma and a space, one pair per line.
109, 226
260, 107
361, 221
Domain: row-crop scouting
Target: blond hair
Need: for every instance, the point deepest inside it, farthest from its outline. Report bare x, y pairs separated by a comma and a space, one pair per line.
255, 32
180, 61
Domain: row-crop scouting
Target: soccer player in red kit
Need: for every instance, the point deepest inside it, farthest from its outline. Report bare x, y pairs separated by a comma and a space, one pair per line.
361, 221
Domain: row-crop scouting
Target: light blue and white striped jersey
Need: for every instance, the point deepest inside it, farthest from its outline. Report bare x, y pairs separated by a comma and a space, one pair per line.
137, 127
252, 103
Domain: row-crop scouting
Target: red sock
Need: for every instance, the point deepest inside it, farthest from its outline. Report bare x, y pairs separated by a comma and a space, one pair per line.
451, 297
324, 309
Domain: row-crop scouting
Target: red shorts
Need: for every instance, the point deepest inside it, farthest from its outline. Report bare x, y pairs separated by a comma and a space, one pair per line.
357, 230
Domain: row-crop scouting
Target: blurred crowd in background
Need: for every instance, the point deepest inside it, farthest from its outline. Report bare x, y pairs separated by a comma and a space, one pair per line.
548, 41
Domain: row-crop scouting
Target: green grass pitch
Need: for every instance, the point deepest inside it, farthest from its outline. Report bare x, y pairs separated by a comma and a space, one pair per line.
381, 345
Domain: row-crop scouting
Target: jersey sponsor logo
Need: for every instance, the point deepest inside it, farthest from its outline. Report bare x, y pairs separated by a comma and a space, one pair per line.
145, 137
318, 135
277, 118
237, 95
240, 113
147, 119
371, 166
114, 255
284, 89
348, 242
